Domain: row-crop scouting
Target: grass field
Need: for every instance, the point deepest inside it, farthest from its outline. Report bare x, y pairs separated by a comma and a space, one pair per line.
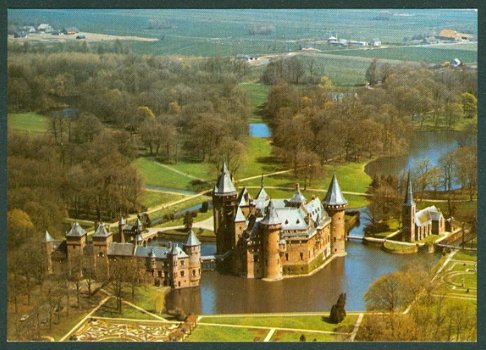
152, 198
417, 54
156, 175
109, 310
257, 93
296, 322
28, 122
221, 334
289, 336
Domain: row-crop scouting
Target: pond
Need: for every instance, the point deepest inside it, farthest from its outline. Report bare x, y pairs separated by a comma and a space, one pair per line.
260, 130
429, 145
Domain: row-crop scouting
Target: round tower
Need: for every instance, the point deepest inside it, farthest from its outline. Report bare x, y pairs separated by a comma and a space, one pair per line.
335, 205
192, 247
224, 210
271, 226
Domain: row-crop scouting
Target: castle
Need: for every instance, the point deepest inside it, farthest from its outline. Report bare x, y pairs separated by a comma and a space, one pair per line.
417, 225
168, 266
272, 238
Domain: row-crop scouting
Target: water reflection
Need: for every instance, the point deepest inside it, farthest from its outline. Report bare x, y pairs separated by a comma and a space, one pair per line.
352, 274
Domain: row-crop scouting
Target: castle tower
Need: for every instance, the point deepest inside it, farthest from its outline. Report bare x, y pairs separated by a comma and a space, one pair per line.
192, 247
408, 213
335, 205
49, 248
298, 198
244, 201
173, 256
75, 240
102, 239
121, 225
271, 226
224, 210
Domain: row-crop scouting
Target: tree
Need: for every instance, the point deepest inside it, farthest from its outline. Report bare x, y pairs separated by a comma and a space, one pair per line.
465, 159
372, 73
20, 227
469, 104
119, 274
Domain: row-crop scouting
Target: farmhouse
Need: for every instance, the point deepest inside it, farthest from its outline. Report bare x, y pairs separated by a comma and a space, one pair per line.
270, 238
452, 35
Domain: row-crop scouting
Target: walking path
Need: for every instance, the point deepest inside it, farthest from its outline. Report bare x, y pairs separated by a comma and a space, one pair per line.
356, 327
269, 335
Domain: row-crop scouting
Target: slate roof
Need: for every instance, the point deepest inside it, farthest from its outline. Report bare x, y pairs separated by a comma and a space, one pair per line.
409, 193
426, 215
157, 252
271, 216
239, 217
192, 239
176, 250
244, 197
76, 231
102, 231
298, 197
334, 195
121, 249
224, 185
48, 237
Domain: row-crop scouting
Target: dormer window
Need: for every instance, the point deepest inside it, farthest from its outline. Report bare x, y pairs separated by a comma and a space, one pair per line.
286, 222
298, 221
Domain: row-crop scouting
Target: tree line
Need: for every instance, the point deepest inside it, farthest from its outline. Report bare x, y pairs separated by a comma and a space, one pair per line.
172, 107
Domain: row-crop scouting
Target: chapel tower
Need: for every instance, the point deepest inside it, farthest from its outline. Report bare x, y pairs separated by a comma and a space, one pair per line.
408, 213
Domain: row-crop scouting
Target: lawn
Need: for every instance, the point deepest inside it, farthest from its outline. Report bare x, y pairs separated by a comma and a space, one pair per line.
29, 122
289, 336
468, 256
197, 169
257, 94
109, 310
399, 248
175, 208
153, 198
151, 298
214, 333
314, 322
155, 174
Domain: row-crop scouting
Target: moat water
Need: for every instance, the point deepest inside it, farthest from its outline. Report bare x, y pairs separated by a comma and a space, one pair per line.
353, 274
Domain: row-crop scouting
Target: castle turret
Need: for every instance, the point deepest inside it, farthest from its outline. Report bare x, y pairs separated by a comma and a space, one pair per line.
408, 213
173, 265
335, 205
121, 226
49, 249
76, 240
192, 247
102, 239
272, 265
298, 198
224, 204
244, 201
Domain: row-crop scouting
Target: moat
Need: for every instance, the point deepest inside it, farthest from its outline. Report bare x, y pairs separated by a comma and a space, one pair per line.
219, 293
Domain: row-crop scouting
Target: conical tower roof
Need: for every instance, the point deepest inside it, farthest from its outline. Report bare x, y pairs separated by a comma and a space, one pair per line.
298, 197
334, 195
102, 231
271, 216
244, 197
409, 193
76, 231
239, 217
224, 185
48, 237
192, 240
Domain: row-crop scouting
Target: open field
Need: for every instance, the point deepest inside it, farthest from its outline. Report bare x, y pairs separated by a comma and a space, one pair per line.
221, 334
257, 93
28, 122
153, 198
157, 175
426, 54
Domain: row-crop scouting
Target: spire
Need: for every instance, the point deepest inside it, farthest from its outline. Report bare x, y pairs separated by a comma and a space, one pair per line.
48, 237
261, 181
334, 195
271, 216
192, 239
224, 185
409, 194
298, 197
262, 194
239, 215
244, 197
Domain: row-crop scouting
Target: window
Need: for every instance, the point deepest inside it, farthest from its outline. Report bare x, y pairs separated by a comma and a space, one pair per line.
193, 273
182, 262
182, 273
301, 256
287, 256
